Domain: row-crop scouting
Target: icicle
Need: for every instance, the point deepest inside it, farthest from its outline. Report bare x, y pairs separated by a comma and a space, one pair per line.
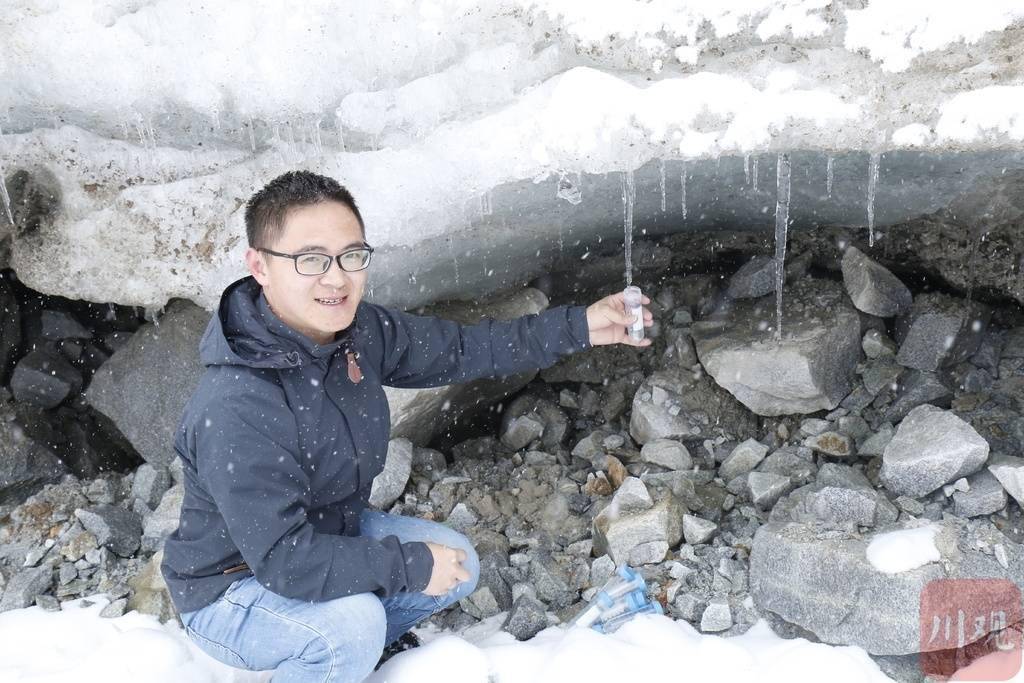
829, 174
753, 174
682, 185
781, 227
252, 135
663, 206
872, 185
628, 197
486, 208
746, 169
317, 139
4, 197
341, 133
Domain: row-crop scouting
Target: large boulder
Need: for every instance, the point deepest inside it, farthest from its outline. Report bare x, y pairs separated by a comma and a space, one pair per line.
420, 414
823, 580
810, 368
25, 463
931, 447
144, 386
872, 288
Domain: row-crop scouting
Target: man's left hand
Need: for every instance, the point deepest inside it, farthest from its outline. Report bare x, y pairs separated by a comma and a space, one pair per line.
609, 322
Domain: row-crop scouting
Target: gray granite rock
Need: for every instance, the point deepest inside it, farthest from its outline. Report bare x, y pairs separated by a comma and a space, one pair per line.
931, 447
616, 534
985, 496
521, 431
823, 581
57, 325
697, 530
717, 616
44, 378
743, 458
23, 587
940, 330
877, 345
150, 484
163, 521
755, 278
918, 388
674, 404
835, 506
766, 488
1010, 473
872, 287
25, 463
831, 443
390, 483
114, 527
667, 453
809, 369
144, 386
526, 619
631, 496
875, 444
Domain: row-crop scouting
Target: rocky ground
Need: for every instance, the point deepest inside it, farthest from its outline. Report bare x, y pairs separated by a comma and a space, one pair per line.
744, 475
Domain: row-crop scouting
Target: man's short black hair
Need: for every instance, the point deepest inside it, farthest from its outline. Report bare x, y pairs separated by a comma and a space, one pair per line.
267, 210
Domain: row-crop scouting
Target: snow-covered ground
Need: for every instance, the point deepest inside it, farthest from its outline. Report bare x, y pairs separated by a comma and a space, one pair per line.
76, 645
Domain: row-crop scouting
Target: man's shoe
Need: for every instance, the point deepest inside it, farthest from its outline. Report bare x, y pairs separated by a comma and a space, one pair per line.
406, 641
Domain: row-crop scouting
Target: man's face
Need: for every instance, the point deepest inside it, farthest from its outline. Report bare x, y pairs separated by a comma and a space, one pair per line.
303, 301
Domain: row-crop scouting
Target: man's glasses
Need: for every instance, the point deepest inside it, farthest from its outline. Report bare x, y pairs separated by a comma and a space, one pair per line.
311, 263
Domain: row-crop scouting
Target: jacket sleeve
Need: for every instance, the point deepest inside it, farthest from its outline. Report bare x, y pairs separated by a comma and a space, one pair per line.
245, 457
422, 351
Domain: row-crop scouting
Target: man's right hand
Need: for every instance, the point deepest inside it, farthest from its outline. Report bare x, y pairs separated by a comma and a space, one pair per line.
448, 570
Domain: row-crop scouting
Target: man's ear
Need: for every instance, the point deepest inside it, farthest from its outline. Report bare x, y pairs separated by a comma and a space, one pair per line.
257, 266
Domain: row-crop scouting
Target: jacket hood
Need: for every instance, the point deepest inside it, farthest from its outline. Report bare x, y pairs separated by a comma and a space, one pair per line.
244, 331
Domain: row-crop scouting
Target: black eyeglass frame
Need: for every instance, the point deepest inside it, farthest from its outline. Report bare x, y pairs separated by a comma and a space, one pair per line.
336, 258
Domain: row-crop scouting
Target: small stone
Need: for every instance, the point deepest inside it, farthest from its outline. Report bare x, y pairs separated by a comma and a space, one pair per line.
522, 431
813, 426
877, 345
717, 617
766, 488
650, 552
689, 606
697, 530
830, 443
666, 453
875, 444
632, 496
744, 458
114, 609
461, 518
23, 587
526, 619
48, 603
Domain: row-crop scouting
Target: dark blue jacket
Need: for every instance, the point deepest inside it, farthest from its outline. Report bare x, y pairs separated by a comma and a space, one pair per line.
280, 446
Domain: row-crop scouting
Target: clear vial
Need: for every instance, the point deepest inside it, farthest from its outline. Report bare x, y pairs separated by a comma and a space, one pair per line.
634, 306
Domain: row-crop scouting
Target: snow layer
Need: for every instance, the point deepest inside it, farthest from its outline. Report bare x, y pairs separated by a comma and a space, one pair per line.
76, 644
154, 120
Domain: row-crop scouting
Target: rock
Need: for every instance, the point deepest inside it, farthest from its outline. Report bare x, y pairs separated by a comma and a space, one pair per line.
795, 463
390, 483
931, 447
985, 496
114, 609
766, 488
57, 325
617, 534
875, 444
526, 619
23, 587
689, 606
1010, 473
755, 278
150, 484
114, 527
631, 496
550, 580
554, 422
744, 458
522, 431
164, 519
149, 591
717, 616
461, 518
939, 331
10, 322
831, 443
691, 407
667, 453
48, 603
26, 465
813, 426
879, 375
44, 378
877, 345
809, 369
872, 287
822, 581
144, 386
651, 552
833, 505
697, 530
918, 388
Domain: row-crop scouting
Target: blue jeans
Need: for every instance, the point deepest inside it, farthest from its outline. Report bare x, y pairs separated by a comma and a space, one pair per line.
249, 627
